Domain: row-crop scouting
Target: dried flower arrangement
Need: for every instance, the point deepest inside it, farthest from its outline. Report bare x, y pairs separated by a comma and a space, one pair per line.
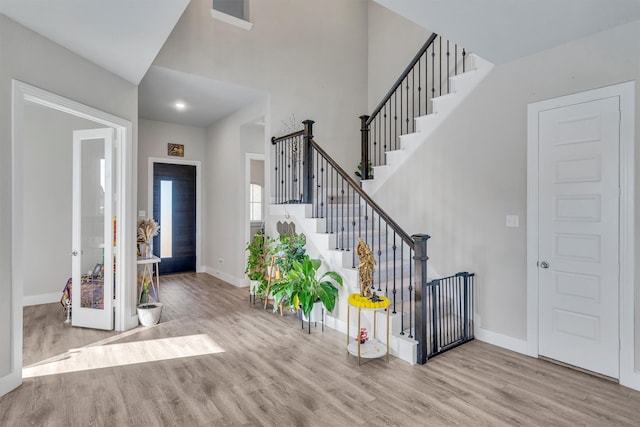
147, 229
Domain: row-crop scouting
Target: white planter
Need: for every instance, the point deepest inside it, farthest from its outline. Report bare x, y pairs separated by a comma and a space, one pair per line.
316, 313
149, 314
253, 286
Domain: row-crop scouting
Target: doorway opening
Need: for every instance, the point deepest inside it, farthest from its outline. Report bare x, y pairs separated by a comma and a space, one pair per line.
174, 208
255, 184
125, 317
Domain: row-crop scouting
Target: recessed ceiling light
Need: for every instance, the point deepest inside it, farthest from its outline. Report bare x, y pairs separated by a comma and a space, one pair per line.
180, 105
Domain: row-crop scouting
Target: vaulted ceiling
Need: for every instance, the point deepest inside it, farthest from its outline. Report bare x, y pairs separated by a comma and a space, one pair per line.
504, 30
124, 37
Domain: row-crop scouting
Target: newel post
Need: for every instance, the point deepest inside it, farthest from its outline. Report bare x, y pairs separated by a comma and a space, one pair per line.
307, 183
420, 285
364, 147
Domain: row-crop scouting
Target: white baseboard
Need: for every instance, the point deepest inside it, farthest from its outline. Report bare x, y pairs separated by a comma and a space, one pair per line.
41, 299
235, 281
504, 341
10, 382
631, 380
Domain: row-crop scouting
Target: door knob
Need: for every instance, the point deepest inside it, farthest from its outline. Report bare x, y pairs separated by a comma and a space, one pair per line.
74, 253
544, 264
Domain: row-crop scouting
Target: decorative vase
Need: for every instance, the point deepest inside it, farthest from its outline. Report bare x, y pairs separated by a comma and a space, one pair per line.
145, 249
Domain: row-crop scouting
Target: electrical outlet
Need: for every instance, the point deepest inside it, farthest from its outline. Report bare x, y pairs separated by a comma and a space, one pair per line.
142, 214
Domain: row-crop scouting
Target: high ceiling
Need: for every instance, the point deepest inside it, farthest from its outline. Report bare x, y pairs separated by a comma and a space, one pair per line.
122, 36
504, 30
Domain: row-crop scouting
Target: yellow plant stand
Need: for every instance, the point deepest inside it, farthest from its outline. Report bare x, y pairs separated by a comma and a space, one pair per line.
372, 348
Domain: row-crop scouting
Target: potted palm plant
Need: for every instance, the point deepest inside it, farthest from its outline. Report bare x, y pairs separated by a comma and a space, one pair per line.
306, 289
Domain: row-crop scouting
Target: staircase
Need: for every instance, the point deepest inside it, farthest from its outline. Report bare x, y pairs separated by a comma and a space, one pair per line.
436, 81
427, 315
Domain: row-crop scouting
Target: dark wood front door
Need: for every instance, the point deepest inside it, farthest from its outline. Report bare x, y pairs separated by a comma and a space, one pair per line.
176, 215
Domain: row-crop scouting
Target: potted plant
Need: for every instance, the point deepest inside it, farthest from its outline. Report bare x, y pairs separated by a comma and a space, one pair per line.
287, 249
257, 264
148, 312
306, 288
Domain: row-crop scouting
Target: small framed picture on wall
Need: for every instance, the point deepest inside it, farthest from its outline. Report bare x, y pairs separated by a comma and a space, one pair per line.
176, 150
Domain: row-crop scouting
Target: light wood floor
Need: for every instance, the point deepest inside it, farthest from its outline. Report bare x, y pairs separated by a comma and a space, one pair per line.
257, 368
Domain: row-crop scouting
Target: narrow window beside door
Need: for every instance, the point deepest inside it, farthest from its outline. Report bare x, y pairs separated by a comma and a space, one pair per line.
166, 215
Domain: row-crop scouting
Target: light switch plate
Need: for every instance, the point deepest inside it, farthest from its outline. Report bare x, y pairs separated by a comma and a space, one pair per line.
513, 221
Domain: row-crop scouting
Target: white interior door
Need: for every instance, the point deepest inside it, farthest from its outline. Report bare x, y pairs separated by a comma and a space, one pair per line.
578, 235
92, 265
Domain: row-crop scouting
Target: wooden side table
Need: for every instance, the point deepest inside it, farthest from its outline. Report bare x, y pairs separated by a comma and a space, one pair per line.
147, 271
372, 348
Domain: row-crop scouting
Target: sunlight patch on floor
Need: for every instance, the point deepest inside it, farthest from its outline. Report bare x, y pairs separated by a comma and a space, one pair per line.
129, 353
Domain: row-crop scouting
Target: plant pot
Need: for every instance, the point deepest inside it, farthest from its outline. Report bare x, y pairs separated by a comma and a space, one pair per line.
253, 286
316, 313
149, 314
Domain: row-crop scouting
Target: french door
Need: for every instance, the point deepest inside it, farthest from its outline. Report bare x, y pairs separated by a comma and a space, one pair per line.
93, 229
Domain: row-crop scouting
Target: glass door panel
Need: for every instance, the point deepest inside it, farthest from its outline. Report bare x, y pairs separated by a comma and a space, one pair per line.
92, 271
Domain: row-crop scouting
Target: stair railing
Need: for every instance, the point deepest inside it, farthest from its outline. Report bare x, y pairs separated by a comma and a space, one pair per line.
305, 173
426, 77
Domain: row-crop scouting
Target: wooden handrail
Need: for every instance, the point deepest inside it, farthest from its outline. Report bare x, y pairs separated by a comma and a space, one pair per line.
275, 140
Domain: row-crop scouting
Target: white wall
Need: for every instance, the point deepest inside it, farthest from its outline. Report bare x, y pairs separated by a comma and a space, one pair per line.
47, 197
310, 55
473, 171
153, 137
393, 42
26, 56
227, 144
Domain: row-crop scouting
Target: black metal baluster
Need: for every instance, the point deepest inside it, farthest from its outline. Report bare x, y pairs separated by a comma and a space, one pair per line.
386, 259
402, 286
348, 219
455, 62
411, 299
394, 272
440, 64
433, 74
379, 254
464, 55
336, 208
407, 105
448, 53
420, 87
342, 215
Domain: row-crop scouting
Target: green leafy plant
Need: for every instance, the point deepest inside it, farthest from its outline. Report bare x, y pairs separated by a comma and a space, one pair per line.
289, 248
303, 287
256, 260
369, 170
